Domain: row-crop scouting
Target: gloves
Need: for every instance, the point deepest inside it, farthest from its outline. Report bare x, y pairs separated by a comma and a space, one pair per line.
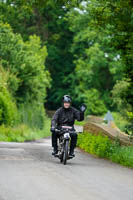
83, 108
52, 129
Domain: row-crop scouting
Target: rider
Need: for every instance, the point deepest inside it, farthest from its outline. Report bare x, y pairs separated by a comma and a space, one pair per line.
65, 116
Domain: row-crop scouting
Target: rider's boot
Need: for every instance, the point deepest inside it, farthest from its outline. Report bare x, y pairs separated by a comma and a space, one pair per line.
71, 153
55, 151
73, 145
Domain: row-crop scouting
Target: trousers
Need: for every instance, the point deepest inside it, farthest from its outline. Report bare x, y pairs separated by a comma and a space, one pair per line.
73, 143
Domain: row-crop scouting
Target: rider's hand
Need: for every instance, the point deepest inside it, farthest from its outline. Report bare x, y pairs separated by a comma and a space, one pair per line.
52, 129
83, 108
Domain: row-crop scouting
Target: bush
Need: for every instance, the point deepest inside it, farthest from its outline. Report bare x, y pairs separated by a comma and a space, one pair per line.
23, 133
8, 109
95, 104
129, 125
33, 115
98, 145
105, 148
119, 120
28, 80
119, 96
122, 155
16, 134
23, 86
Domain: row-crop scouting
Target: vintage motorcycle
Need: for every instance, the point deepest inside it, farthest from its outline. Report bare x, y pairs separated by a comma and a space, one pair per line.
64, 143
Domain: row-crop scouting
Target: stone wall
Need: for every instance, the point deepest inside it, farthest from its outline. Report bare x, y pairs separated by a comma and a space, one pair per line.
95, 119
107, 131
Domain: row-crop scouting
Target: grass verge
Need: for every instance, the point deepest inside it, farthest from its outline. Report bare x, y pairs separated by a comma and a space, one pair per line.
23, 132
103, 147
81, 123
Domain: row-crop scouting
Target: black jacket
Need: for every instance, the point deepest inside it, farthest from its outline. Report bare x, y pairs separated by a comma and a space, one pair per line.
66, 117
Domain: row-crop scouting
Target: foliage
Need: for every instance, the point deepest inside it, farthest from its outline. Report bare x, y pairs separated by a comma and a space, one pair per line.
46, 19
98, 145
25, 62
95, 104
119, 96
129, 125
89, 44
23, 80
33, 115
103, 147
8, 109
122, 155
97, 64
120, 121
116, 17
36, 17
16, 134
80, 123
89, 55
23, 133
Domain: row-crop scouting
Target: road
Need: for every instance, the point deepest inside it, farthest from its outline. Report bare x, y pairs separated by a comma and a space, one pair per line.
28, 171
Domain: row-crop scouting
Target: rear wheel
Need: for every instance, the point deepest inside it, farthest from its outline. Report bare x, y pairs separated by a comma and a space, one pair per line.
66, 147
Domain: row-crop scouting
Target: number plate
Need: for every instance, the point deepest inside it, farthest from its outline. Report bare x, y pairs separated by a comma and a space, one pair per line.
66, 135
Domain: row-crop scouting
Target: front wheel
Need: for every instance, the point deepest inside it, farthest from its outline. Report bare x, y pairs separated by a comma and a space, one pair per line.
61, 157
66, 148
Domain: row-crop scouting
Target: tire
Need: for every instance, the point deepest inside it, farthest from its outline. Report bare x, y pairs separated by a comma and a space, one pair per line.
61, 157
66, 147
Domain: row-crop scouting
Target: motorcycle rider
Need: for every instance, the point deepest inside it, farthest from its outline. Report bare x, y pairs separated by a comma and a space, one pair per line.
65, 116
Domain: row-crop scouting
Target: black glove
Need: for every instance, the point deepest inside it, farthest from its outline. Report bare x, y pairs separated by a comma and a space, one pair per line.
52, 129
83, 108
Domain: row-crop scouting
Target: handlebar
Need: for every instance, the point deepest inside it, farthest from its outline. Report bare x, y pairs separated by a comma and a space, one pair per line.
64, 130
57, 130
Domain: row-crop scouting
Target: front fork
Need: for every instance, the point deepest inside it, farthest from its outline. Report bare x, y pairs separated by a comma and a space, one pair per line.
61, 146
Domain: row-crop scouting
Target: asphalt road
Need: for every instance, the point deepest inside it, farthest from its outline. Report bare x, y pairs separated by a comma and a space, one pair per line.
28, 171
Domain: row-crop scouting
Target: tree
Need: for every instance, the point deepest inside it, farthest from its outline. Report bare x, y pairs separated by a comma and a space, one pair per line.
117, 18
119, 97
98, 65
46, 19
25, 62
73, 31
95, 104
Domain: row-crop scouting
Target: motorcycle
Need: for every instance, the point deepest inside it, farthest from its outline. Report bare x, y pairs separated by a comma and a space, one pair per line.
64, 143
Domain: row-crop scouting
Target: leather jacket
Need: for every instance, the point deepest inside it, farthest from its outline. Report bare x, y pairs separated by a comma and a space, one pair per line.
66, 117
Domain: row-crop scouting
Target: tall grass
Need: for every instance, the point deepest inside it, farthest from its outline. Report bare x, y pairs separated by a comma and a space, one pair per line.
33, 115
80, 123
103, 147
32, 124
23, 133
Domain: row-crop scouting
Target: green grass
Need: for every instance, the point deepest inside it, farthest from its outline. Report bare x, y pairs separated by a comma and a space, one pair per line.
23, 133
82, 123
105, 148
122, 155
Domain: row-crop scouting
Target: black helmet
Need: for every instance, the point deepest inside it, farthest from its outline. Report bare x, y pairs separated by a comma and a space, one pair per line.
66, 99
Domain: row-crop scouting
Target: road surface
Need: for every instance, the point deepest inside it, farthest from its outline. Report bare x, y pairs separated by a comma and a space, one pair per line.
28, 171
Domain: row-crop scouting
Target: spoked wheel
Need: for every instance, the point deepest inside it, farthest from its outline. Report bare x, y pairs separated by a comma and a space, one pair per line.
61, 157
66, 147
